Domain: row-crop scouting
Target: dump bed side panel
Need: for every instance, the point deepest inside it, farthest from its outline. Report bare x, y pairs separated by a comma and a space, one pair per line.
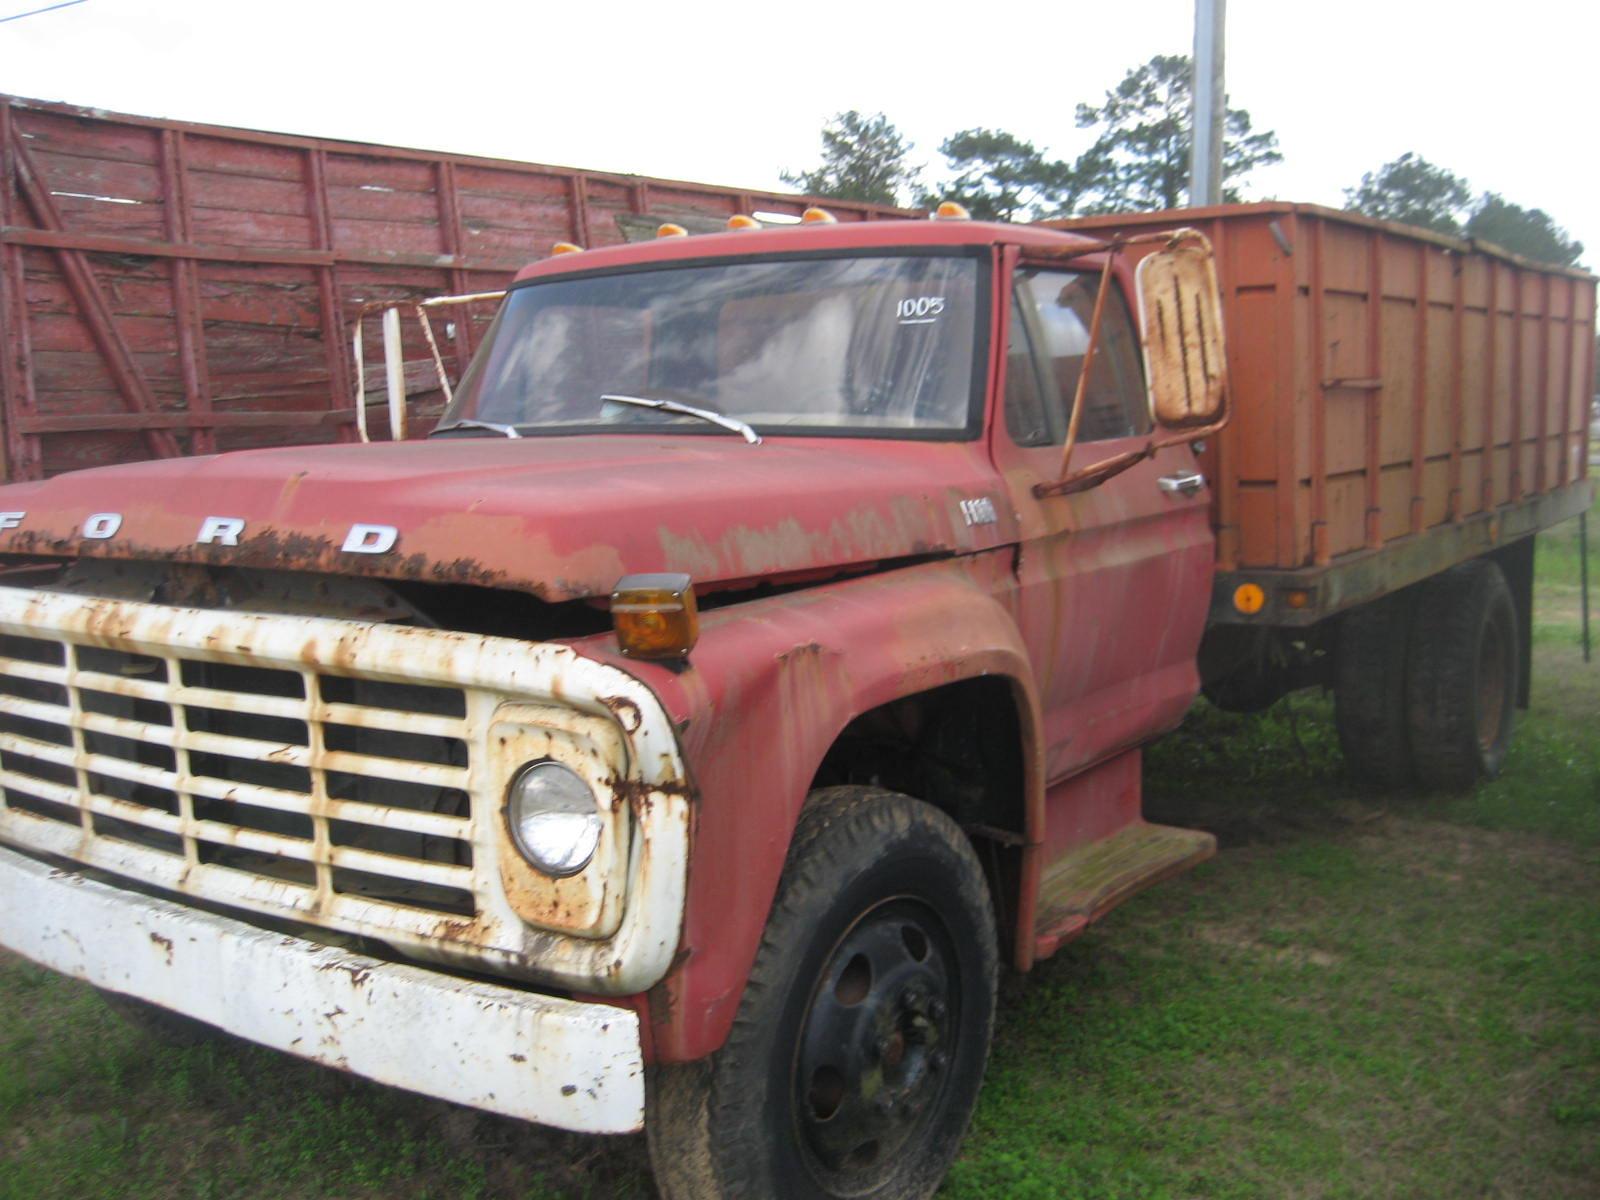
1390, 389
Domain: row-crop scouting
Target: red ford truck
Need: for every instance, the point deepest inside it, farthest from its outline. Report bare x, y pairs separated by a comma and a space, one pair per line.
758, 655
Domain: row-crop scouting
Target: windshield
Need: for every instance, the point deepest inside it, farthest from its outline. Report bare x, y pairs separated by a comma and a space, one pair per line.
881, 346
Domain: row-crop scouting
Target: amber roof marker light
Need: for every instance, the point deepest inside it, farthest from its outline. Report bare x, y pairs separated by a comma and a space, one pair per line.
655, 616
949, 210
816, 215
740, 221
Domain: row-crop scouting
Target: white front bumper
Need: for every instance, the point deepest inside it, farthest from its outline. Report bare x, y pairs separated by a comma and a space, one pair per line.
539, 1058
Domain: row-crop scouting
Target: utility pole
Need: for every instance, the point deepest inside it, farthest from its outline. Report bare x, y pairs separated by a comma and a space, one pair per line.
1210, 102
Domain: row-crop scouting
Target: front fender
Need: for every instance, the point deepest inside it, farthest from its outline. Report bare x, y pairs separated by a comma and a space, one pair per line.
769, 687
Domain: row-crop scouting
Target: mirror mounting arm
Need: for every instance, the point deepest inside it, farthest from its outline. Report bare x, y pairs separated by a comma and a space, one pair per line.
1088, 360
1094, 475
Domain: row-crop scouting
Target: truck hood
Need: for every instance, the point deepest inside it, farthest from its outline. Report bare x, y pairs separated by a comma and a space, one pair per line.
560, 517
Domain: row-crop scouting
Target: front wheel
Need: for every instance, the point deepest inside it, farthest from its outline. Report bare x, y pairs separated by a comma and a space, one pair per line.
859, 1047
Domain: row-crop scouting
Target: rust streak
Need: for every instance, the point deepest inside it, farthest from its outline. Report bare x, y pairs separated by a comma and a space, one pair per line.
165, 943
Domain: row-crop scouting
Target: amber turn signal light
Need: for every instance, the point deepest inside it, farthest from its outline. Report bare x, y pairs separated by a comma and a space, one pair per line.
655, 616
1249, 599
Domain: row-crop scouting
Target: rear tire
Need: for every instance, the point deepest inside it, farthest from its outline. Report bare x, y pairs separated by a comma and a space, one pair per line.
856, 1057
1462, 691
1370, 691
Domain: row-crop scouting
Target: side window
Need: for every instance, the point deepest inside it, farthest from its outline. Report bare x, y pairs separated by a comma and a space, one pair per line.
1027, 419
1059, 306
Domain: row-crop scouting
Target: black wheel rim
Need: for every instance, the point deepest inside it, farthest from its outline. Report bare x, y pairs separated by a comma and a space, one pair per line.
873, 1058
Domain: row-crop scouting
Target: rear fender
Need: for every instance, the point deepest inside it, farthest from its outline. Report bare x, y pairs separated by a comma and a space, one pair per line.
768, 688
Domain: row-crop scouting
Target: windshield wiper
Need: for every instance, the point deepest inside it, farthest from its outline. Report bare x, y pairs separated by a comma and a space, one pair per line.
687, 410
472, 423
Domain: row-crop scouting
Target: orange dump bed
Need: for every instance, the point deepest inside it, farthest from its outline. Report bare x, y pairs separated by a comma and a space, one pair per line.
1401, 400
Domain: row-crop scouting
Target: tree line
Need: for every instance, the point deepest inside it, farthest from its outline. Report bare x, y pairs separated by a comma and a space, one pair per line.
1139, 162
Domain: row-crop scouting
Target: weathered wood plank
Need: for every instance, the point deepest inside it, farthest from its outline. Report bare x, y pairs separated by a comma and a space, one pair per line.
186, 317
243, 253
91, 301
89, 422
230, 278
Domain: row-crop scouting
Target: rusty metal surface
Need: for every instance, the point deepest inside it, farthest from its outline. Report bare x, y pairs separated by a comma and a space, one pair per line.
561, 517
1124, 556
767, 690
773, 681
1184, 347
901, 558
1085, 883
819, 238
168, 287
471, 511
539, 1058
123, 787
1366, 575
901, 567
1385, 382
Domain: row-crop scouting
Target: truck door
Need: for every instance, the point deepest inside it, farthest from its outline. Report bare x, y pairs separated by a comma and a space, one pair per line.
1113, 582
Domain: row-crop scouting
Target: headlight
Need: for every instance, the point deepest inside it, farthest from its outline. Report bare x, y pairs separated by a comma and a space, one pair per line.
553, 818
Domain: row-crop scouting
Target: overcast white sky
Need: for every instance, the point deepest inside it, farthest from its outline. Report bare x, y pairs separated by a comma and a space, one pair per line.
732, 93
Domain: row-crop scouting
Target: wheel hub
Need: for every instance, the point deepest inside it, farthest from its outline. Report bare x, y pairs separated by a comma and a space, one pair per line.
876, 1042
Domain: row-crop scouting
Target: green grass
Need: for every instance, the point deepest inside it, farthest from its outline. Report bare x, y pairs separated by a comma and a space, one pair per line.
1354, 999
1360, 997
1558, 580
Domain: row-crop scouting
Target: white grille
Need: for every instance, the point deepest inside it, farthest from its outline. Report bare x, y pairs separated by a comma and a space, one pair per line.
315, 786
341, 774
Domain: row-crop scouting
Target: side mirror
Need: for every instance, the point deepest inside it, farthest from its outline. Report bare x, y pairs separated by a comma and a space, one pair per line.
1184, 358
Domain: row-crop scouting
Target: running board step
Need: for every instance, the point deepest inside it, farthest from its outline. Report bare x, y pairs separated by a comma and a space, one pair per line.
1084, 884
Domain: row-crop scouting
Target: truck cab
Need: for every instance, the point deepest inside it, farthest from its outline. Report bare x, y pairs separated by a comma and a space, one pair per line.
754, 658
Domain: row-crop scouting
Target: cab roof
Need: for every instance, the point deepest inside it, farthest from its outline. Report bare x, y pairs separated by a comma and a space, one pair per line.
790, 239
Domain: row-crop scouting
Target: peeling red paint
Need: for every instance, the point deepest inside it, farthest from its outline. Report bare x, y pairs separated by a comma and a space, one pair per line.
563, 518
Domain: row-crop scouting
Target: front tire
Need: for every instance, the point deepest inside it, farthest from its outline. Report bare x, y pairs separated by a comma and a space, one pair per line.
856, 1057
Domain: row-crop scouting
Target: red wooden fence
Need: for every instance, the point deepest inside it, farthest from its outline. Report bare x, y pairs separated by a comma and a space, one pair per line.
170, 288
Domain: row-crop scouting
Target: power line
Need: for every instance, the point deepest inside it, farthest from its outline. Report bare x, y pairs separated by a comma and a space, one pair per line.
35, 12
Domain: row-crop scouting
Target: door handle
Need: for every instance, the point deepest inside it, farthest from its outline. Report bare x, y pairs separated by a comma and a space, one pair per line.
1184, 483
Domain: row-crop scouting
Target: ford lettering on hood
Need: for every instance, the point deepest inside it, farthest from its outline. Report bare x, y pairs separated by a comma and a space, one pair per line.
560, 517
